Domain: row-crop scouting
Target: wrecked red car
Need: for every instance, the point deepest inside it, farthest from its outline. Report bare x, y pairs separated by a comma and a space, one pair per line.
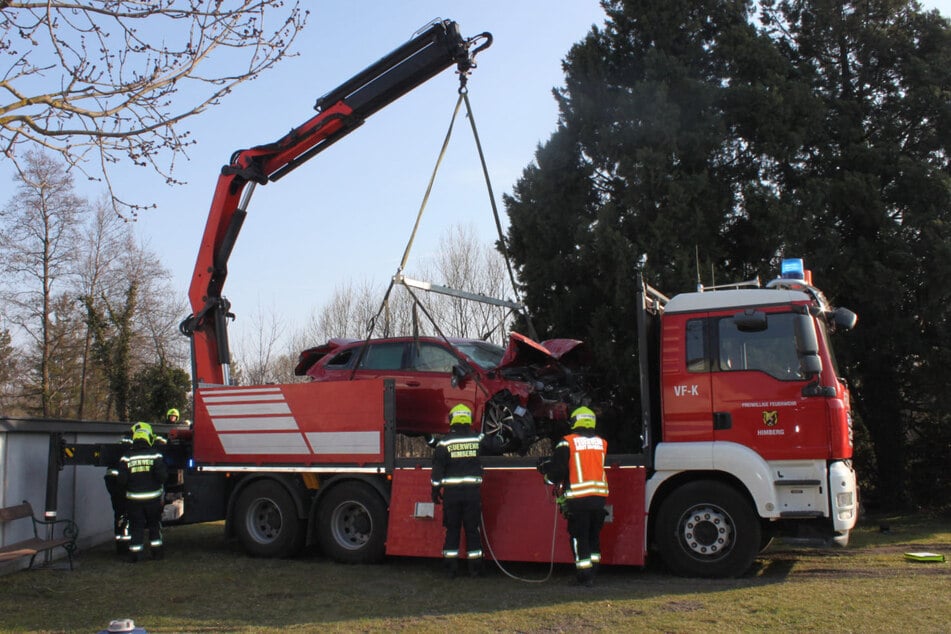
518, 394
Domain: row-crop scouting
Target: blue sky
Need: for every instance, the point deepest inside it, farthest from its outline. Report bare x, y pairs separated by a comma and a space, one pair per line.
347, 214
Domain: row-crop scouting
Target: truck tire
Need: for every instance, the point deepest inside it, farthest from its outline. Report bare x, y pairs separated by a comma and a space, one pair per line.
708, 529
351, 524
266, 521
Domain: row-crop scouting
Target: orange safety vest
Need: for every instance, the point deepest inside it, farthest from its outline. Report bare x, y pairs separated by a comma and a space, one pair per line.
586, 466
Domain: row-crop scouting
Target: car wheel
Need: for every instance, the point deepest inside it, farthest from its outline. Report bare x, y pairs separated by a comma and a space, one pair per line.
351, 524
266, 521
506, 430
708, 529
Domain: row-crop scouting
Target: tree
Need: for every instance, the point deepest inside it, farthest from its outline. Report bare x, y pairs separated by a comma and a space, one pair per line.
693, 142
100, 82
650, 166
37, 250
10, 376
155, 389
874, 173
112, 331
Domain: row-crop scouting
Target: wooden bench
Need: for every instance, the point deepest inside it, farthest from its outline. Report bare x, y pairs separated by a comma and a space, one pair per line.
37, 544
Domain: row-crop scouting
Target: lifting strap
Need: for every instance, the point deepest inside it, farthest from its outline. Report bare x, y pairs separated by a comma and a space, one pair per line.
464, 98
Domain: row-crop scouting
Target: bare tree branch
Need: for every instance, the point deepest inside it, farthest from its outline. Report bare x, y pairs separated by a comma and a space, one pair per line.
109, 81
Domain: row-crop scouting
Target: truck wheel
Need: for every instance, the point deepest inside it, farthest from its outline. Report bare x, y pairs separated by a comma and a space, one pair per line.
708, 529
351, 524
266, 521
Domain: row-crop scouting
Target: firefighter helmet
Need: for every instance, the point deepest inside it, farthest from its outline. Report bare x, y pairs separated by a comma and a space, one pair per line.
583, 417
143, 431
172, 412
460, 415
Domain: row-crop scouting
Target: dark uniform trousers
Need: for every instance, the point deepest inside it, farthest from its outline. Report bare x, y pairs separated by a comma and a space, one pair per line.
585, 519
462, 508
146, 515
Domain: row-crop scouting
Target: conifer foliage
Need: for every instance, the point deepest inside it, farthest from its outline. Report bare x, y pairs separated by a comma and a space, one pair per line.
704, 140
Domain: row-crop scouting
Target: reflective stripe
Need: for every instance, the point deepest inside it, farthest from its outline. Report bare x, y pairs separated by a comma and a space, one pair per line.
461, 480
583, 564
450, 554
583, 489
155, 543
143, 495
154, 456
474, 554
596, 557
136, 548
447, 441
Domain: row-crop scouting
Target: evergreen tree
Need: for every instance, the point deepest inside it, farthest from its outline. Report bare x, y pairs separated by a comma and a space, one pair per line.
694, 143
156, 388
873, 188
655, 161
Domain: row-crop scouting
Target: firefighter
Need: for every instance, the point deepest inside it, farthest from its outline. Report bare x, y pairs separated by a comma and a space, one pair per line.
142, 475
577, 467
120, 521
457, 483
172, 417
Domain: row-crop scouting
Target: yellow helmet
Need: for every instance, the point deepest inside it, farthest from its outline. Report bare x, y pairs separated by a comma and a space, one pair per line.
460, 415
172, 412
583, 417
143, 431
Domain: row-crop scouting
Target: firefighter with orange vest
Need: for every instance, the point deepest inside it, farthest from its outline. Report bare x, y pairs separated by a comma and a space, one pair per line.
577, 466
457, 483
142, 475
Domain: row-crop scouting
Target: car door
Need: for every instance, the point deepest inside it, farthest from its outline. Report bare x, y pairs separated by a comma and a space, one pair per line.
390, 360
431, 394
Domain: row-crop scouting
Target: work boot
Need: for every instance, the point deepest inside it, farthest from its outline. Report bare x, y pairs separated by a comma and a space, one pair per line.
132, 557
452, 567
475, 567
585, 578
158, 553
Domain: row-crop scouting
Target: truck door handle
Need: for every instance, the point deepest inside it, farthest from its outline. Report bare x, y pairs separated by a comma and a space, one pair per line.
412, 383
722, 420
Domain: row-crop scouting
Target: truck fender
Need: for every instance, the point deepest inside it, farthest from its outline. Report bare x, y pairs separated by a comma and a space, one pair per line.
742, 463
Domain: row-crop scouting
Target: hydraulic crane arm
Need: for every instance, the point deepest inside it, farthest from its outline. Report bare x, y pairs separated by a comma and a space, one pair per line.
339, 112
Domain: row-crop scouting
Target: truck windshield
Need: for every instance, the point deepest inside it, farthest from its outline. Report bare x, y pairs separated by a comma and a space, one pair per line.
771, 350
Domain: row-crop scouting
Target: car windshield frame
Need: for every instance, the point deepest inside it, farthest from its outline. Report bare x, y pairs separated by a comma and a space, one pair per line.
486, 355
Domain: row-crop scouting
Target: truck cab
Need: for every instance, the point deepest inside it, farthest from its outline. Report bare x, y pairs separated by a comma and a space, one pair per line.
743, 391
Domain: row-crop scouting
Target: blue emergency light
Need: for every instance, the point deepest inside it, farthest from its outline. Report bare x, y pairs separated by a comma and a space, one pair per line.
793, 269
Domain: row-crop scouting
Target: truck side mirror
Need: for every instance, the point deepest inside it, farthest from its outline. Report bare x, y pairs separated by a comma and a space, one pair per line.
459, 374
810, 365
807, 343
750, 320
844, 319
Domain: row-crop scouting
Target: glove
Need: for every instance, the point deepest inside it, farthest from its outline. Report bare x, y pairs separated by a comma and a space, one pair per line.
437, 495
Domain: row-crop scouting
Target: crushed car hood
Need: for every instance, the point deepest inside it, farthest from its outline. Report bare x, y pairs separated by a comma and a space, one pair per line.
522, 351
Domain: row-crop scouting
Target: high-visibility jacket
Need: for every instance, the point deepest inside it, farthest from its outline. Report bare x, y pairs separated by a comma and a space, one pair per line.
585, 464
142, 473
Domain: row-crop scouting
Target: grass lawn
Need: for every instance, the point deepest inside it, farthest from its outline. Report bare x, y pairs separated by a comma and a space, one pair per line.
205, 584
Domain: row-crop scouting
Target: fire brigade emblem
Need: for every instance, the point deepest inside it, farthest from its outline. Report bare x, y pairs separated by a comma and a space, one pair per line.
771, 418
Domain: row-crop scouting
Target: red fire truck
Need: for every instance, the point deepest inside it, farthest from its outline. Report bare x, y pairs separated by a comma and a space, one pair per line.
747, 429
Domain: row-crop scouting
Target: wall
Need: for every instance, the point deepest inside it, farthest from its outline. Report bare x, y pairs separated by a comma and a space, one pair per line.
81, 492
